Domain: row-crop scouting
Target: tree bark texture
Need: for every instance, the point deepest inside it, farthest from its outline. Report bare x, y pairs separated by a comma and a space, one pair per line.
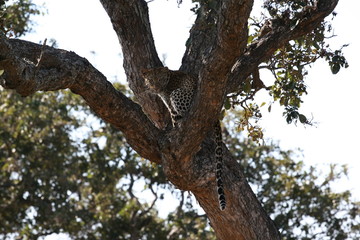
216, 51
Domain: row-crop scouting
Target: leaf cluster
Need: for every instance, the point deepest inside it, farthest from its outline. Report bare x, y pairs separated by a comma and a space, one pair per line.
15, 17
289, 65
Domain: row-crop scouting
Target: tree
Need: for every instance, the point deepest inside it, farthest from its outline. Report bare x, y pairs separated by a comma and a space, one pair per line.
226, 59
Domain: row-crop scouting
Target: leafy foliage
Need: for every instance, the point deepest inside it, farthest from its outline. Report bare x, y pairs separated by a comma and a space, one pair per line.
289, 65
15, 17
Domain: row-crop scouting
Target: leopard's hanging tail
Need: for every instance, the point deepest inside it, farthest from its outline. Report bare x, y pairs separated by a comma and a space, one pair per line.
219, 166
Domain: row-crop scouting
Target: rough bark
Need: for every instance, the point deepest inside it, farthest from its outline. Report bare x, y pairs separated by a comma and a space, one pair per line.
217, 53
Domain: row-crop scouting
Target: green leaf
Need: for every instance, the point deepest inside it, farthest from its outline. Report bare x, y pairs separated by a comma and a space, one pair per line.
302, 118
284, 101
289, 119
335, 68
1, 71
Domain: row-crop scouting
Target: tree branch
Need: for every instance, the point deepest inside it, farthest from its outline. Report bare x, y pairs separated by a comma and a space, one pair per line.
219, 24
215, 62
60, 69
130, 20
262, 49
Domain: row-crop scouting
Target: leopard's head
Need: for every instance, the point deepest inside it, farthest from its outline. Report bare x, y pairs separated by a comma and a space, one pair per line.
156, 78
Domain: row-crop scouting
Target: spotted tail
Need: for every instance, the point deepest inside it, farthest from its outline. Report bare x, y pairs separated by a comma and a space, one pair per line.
219, 166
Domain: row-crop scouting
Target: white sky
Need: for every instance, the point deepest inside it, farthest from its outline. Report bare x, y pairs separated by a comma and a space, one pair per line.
333, 100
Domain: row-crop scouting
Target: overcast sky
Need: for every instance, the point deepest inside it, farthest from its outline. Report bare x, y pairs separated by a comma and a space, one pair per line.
333, 100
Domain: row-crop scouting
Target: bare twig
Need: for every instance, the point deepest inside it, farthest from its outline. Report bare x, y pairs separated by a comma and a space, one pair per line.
41, 53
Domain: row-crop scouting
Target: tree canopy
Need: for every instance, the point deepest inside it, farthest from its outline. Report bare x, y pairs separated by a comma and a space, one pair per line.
84, 185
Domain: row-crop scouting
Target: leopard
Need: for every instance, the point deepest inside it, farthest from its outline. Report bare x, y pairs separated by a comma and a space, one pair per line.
177, 90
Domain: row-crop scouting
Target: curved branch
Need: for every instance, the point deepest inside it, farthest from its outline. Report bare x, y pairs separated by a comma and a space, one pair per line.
60, 69
262, 50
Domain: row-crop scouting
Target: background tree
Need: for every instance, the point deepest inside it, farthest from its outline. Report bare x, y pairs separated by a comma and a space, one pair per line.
223, 29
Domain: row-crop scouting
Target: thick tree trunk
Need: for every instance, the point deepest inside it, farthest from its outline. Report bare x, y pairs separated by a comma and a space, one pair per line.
243, 213
217, 53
